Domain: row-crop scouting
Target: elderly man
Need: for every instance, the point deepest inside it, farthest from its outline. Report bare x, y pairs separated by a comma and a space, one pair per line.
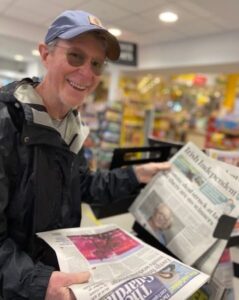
161, 220
43, 177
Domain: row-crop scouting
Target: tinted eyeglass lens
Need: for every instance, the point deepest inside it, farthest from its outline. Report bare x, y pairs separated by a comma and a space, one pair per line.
77, 59
97, 66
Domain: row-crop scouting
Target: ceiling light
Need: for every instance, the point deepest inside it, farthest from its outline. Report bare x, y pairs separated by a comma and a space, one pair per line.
35, 52
168, 17
115, 31
18, 57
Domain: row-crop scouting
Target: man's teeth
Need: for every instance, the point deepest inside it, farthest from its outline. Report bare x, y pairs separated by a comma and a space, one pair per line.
76, 85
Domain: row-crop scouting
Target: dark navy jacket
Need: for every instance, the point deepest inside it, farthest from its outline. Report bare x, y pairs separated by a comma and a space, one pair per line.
42, 185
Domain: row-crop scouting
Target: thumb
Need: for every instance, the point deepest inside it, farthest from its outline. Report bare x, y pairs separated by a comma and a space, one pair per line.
74, 278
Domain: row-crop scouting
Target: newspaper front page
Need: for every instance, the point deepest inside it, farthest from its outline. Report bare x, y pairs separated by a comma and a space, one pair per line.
121, 266
229, 160
181, 207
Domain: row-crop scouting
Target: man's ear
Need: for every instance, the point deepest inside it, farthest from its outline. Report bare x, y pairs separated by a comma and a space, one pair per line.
44, 53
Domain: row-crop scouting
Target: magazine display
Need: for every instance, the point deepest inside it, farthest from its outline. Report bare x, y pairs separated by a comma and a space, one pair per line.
181, 207
121, 266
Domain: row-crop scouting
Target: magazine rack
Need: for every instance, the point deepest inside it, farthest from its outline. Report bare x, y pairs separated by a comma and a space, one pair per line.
154, 153
173, 146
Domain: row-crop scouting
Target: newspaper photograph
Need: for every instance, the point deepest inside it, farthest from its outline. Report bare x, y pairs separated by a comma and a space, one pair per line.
121, 266
181, 207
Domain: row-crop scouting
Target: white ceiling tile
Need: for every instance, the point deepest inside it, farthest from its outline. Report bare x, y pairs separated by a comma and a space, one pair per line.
196, 8
69, 4
137, 18
225, 23
137, 6
136, 24
26, 10
4, 5
222, 10
183, 14
105, 11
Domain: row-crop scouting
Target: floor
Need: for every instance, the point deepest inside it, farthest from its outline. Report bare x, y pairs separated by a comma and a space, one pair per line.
124, 221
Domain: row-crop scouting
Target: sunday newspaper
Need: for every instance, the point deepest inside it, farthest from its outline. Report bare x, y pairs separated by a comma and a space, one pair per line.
121, 266
196, 191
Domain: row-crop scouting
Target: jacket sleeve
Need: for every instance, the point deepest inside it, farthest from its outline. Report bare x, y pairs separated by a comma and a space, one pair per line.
20, 278
103, 186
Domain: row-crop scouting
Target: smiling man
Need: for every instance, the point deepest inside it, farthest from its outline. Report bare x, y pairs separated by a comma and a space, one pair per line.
43, 175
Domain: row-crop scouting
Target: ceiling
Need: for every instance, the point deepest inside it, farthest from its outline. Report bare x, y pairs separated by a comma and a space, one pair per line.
24, 22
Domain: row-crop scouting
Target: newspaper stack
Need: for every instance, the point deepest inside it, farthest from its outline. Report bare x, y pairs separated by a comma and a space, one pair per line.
183, 208
122, 267
228, 265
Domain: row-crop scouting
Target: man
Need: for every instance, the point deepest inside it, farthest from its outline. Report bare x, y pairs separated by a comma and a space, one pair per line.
42, 174
161, 220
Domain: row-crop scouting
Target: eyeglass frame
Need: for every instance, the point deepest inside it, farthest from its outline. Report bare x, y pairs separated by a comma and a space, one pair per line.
54, 44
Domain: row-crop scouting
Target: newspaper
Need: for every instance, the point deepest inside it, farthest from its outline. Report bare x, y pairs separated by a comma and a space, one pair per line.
121, 266
220, 285
229, 160
234, 253
229, 157
185, 203
212, 290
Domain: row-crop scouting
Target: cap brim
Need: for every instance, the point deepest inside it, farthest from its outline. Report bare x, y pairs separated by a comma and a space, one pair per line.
113, 47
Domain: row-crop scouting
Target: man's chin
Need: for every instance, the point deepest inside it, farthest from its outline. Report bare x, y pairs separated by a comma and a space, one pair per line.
74, 104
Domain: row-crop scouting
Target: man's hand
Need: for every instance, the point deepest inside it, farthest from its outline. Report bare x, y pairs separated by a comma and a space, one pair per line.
59, 283
145, 172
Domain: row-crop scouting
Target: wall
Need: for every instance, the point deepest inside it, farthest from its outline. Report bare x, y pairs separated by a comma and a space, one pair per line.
217, 51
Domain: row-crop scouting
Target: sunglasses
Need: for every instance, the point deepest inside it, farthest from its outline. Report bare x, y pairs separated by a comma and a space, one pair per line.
77, 58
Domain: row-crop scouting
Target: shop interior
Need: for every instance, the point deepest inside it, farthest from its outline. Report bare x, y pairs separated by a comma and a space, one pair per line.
180, 83
182, 76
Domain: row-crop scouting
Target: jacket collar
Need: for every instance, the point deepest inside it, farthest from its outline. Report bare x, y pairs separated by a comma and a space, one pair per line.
35, 113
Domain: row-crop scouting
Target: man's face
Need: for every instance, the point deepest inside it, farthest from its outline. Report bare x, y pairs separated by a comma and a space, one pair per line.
69, 85
162, 217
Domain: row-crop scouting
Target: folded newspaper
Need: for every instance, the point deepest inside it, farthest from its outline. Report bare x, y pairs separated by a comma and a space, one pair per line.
122, 267
181, 207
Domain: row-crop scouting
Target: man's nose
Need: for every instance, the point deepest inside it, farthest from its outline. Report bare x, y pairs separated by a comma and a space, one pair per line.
86, 68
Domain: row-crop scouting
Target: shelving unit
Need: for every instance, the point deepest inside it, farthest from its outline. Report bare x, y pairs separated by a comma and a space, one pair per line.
109, 132
223, 133
134, 123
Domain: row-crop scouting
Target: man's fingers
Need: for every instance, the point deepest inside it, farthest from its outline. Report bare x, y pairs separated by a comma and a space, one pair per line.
164, 165
75, 278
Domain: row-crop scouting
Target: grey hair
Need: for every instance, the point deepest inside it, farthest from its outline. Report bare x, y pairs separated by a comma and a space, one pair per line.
97, 34
52, 44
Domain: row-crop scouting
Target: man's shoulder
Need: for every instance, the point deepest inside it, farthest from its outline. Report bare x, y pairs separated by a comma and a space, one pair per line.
10, 105
7, 91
